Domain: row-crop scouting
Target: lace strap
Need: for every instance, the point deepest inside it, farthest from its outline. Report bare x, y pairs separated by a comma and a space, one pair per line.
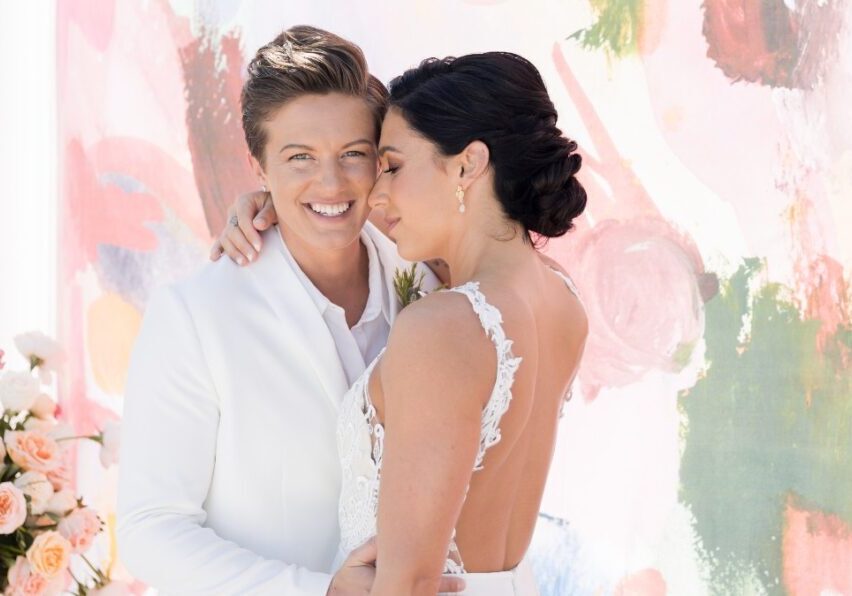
568, 281
507, 365
377, 429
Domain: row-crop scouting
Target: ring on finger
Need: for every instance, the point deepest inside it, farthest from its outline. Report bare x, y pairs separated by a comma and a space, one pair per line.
234, 221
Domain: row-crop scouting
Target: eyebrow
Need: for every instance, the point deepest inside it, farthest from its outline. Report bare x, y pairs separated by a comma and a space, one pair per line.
387, 148
309, 148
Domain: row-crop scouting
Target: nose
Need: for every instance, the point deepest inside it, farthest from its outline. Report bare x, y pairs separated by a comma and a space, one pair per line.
331, 177
378, 198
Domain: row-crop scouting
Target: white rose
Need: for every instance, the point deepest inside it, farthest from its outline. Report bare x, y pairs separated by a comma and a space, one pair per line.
112, 589
38, 488
44, 407
62, 430
61, 502
111, 437
41, 351
18, 390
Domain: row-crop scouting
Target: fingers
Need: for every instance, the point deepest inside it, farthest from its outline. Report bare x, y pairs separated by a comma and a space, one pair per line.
267, 215
240, 250
216, 250
365, 554
451, 584
247, 206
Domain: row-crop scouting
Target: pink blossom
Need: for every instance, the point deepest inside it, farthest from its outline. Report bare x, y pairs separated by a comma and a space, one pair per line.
80, 527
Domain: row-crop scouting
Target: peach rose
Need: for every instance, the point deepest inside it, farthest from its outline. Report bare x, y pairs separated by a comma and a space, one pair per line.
33, 450
13, 508
49, 554
24, 581
44, 407
37, 487
60, 476
80, 527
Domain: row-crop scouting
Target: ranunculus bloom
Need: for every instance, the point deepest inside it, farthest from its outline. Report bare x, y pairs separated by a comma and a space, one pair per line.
24, 581
13, 508
80, 528
33, 450
44, 407
42, 351
18, 390
111, 437
49, 554
62, 502
38, 488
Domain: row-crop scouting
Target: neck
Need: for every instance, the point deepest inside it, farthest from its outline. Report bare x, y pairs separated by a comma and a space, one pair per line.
478, 255
340, 274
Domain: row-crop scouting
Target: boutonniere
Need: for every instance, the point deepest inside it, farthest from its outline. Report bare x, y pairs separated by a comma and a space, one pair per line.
407, 282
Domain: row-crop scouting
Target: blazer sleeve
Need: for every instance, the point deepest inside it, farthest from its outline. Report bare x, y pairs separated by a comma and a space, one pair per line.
167, 456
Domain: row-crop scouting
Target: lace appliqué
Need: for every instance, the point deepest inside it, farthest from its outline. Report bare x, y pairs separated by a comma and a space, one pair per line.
360, 435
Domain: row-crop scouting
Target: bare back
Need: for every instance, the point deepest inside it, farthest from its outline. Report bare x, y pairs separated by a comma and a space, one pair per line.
545, 323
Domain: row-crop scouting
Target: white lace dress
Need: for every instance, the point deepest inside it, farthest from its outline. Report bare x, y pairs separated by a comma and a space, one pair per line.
360, 441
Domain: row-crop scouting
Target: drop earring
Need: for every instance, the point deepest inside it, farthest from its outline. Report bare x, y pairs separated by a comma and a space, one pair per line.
460, 197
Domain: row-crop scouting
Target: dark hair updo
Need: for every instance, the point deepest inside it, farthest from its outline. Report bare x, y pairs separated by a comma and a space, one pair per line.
500, 99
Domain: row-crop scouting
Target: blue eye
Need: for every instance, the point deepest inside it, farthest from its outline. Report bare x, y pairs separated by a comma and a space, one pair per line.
300, 157
354, 154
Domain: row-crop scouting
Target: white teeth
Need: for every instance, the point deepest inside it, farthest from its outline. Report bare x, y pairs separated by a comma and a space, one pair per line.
330, 210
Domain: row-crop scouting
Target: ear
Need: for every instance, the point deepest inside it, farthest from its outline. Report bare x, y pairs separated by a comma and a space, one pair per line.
473, 161
256, 168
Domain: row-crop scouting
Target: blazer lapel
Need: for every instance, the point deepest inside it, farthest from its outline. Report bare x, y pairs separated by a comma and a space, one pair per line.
293, 305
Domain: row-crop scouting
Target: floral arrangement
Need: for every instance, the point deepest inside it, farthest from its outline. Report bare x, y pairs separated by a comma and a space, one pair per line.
43, 525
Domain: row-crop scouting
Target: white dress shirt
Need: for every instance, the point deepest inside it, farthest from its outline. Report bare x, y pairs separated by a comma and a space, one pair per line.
359, 345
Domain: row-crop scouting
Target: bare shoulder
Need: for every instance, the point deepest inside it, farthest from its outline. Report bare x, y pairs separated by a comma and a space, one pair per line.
439, 339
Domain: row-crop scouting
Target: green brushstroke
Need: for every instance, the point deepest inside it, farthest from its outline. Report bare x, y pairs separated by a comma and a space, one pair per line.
753, 440
616, 29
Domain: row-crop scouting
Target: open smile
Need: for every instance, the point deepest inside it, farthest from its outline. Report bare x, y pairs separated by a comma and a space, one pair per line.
330, 210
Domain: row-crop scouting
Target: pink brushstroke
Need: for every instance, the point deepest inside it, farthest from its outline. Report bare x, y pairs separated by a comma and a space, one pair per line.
817, 550
95, 18
97, 213
644, 280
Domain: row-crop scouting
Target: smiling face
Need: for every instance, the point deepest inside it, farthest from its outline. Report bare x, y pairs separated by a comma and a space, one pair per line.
416, 188
320, 163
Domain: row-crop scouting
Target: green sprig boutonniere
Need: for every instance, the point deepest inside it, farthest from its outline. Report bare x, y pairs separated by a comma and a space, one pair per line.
407, 282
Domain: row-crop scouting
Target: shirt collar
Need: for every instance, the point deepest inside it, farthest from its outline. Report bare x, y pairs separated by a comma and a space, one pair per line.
378, 300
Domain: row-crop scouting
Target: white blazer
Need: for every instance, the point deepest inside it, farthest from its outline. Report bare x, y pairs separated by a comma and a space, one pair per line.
229, 476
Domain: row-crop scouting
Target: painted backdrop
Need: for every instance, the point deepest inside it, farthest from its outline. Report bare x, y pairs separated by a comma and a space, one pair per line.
708, 449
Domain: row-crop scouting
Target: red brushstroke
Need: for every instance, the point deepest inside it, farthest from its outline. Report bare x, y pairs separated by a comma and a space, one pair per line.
647, 582
212, 80
763, 41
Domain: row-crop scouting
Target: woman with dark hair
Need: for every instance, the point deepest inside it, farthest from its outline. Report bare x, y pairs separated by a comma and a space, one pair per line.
446, 439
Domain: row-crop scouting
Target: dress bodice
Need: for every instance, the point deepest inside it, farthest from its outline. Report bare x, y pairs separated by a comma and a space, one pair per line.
360, 435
